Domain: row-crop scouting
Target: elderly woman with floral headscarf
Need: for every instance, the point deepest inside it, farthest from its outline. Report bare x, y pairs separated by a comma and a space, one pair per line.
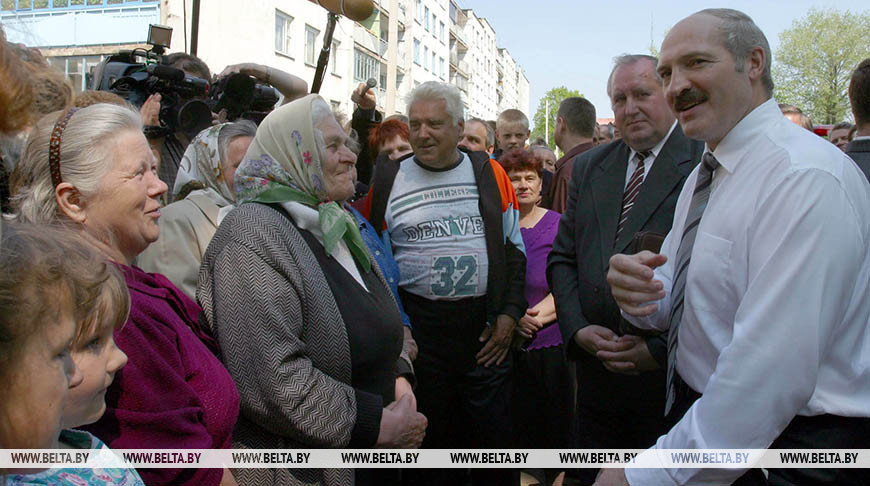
203, 194
305, 321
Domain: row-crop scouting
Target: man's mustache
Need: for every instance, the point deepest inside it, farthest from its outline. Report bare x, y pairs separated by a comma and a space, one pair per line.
688, 98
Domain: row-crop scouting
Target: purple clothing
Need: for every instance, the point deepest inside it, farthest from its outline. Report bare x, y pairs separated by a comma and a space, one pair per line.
174, 393
539, 241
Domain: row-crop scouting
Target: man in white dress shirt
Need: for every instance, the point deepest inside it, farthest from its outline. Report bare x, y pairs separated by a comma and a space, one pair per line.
769, 344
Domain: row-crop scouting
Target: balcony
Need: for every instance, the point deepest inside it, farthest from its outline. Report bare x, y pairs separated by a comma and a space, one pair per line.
499, 66
458, 33
459, 64
460, 82
369, 41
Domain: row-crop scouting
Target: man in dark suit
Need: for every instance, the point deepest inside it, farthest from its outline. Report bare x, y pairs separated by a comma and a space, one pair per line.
859, 96
616, 191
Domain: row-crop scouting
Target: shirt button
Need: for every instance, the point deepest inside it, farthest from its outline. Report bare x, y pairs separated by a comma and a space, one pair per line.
596, 290
391, 279
378, 252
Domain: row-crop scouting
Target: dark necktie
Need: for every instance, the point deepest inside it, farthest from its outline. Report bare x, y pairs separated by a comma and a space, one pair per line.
681, 266
631, 190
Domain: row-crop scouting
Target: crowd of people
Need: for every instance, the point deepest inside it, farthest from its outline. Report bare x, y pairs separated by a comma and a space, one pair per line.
692, 275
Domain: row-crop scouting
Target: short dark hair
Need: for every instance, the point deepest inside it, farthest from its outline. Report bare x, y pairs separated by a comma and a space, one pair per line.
490, 132
579, 116
841, 126
520, 159
859, 93
188, 63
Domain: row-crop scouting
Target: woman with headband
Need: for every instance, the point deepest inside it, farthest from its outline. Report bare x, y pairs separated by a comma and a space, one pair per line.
93, 170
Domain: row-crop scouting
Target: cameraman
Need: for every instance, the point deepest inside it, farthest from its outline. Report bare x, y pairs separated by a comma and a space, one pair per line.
171, 147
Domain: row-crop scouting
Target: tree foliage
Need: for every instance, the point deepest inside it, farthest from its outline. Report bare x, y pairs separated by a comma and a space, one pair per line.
555, 97
815, 60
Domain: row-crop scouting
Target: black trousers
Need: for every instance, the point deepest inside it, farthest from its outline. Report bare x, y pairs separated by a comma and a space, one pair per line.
543, 403
819, 432
616, 411
467, 405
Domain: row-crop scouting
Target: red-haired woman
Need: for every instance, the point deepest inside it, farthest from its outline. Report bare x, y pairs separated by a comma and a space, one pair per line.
543, 392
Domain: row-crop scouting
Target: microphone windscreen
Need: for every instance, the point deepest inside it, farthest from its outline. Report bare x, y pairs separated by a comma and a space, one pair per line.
357, 10
371, 83
168, 72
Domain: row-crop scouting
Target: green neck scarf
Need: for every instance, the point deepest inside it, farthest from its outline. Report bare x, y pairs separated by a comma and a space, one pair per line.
283, 164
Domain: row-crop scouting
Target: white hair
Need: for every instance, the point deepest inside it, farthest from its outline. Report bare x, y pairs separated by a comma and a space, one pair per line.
435, 91
87, 145
232, 131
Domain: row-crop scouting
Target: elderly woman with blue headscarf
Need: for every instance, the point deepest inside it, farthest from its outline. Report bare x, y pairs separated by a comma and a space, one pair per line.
305, 321
203, 194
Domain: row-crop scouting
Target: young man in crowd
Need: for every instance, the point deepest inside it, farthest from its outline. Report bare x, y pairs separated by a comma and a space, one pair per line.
573, 134
511, 131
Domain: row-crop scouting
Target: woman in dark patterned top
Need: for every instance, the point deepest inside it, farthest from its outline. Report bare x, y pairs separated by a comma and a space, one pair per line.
304, 318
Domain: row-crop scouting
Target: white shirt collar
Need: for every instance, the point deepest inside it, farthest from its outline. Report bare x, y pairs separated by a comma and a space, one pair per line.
737, 142
658, 148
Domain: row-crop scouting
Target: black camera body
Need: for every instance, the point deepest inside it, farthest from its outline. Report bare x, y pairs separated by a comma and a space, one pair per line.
182, 107
187, 102
242, 97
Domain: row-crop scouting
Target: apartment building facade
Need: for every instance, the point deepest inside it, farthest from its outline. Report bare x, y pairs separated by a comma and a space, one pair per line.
403, 43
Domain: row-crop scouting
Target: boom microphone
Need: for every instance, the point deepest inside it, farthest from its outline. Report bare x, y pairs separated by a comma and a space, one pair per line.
358, 10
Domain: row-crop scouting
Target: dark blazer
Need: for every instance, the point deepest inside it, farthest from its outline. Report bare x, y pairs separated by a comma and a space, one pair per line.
577, 266
859, 150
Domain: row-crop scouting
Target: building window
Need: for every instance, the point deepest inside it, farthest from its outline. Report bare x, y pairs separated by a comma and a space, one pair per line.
417, 51
333, 58
441, 66
311, 44
282, 32
419, 11
441, 32
434, 66
365, 66
434, 24
425, 58
426, 18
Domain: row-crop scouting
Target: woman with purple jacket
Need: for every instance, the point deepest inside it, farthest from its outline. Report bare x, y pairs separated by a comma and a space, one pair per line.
543, 388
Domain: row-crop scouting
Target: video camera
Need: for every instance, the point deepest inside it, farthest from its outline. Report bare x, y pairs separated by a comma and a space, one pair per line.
187, 101
242, 97
182, 106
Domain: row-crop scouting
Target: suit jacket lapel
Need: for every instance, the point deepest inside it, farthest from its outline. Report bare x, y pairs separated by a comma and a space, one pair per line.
607, 189
660, 181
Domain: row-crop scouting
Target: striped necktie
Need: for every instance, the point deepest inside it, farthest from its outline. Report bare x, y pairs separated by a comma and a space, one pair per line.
681, 266
631, 190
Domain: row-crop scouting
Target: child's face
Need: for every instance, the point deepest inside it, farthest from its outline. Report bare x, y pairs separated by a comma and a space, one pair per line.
40, 386
511, 135
98, 359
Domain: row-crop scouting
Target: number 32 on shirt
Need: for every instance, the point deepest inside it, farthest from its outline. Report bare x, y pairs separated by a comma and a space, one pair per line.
454, 276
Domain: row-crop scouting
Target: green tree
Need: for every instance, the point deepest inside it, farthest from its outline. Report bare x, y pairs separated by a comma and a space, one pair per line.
815, 60
554, 97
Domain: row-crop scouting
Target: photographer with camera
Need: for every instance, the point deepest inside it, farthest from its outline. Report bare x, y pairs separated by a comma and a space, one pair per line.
237, 92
